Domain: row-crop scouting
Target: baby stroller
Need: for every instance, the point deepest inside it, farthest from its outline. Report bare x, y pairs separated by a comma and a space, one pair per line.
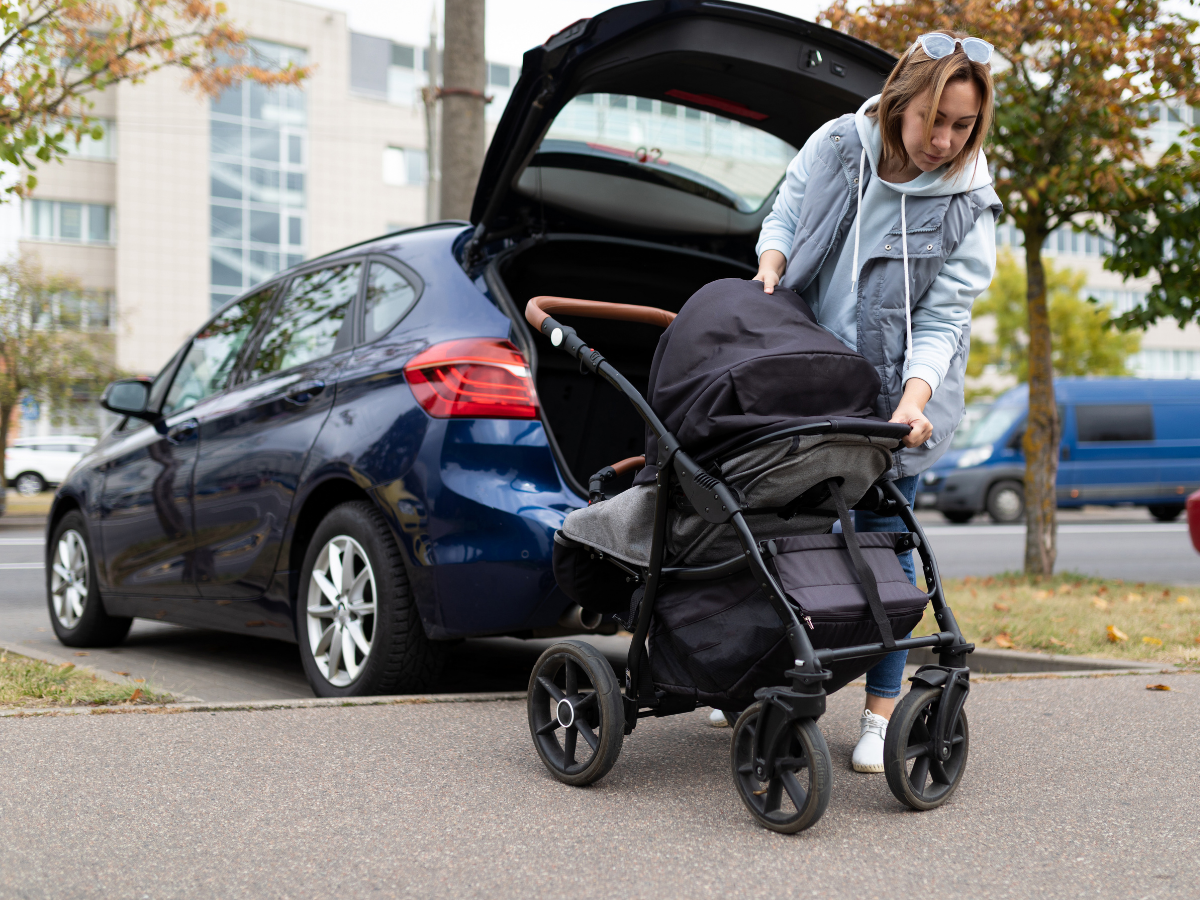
721, 561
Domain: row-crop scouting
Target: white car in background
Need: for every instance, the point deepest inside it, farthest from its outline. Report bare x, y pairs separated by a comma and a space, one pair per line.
33, 464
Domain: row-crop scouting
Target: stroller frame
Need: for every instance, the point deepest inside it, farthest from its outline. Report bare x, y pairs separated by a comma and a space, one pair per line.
716, 503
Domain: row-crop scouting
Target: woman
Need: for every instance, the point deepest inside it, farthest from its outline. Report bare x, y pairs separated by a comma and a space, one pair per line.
886, 226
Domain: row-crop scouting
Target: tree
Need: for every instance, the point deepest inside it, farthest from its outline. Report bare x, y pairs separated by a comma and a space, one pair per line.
47, 351
55, 53
464, 138
1076, 83
1084, 340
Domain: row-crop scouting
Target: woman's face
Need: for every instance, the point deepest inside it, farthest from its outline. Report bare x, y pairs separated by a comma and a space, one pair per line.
956, 115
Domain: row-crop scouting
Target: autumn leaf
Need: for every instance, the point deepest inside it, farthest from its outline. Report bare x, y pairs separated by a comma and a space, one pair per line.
1041, 595
116, 672
1057, 643
136, 695
81, 653
1116, 635
1152, 641
1064, 589
1099, 603
1182, 601
1133, 598
1158, 687
66, 667
1004, 641
1001, 607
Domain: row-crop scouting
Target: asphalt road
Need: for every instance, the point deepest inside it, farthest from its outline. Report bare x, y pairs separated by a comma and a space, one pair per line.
1075, 787
209, 665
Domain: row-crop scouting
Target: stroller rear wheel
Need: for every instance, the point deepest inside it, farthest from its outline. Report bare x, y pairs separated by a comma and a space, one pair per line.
795, 796
915, 775
573, 694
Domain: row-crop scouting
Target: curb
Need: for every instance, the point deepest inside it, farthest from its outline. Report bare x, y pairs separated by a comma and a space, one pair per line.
263, 705
55, 660
1016, 662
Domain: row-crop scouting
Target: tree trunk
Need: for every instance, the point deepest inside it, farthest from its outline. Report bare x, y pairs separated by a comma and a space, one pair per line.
464, 77
1042, 428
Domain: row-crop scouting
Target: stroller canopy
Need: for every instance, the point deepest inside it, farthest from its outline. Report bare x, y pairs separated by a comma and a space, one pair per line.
738, 363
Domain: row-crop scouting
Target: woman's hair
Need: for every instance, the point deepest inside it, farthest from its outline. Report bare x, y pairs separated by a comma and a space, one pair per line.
915, 74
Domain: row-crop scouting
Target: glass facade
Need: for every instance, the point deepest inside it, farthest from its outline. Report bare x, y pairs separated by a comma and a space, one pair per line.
74, 223
258, 169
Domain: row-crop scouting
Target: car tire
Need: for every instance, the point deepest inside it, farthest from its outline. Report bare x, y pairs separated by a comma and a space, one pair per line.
29, 483
72, 592
1166, 512
959, 516
1006, 502
362, 636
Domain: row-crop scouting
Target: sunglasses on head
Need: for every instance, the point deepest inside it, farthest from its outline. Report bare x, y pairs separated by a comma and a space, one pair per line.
937, 46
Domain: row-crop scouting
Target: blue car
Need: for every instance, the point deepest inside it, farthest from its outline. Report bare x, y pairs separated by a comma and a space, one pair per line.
369, 454
1124, 441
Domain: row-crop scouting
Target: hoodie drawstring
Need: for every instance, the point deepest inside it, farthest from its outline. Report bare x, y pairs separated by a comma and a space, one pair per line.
862, 161
907, 304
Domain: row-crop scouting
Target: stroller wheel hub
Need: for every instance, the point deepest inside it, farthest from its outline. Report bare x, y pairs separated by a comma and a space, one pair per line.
566, 713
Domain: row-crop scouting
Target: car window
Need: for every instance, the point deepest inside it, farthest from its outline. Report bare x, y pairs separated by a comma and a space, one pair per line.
389, 296
309, 320
1114, 422
214, 351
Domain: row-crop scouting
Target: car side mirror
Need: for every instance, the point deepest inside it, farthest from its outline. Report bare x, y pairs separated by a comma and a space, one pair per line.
128, 397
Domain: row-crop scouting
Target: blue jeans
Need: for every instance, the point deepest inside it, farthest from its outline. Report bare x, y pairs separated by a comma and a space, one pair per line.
884, 678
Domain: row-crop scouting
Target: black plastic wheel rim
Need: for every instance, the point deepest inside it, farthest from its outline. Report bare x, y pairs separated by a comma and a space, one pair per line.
929, 778
780, 799
566, 714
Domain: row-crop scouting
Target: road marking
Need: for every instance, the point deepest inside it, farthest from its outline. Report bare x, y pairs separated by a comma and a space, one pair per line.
29, 565
1062, 529
21, 542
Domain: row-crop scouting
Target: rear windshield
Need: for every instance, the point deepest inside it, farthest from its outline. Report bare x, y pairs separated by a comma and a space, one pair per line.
702, 152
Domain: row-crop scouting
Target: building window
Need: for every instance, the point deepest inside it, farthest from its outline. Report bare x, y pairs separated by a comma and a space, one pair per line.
75, 223
403, 166
257, 168
103, 148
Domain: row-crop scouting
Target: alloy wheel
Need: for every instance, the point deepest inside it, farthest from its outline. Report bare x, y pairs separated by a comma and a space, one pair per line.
341, 610
69, 578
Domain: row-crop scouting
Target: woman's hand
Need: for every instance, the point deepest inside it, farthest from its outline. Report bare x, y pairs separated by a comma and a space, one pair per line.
770, 269
911, 411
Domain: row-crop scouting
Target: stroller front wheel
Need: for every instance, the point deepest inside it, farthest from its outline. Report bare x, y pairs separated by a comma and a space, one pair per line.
795, 795
916, 777
576, 715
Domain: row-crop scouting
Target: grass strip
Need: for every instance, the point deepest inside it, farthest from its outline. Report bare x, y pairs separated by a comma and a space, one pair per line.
1077, 614
31, 683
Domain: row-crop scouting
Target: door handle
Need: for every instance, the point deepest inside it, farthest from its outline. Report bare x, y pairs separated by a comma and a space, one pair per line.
184, 431
304, 393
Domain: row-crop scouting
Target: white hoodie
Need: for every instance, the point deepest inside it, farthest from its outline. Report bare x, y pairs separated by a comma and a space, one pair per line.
939, 315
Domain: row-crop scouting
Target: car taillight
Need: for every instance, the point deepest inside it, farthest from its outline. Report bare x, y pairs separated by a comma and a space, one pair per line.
475, 378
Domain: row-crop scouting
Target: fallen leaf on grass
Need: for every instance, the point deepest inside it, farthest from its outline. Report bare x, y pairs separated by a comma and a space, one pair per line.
1004, 641
136, 695
1116, 635
1040, 595
81, 653
66, 667
1001, 607
1133, 598
1158, 687
1152, 641
1057, 643
1182, 601
140, 680
1064, 588
117, 672
1099, 603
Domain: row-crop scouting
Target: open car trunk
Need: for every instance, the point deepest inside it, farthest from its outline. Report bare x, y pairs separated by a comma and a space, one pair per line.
593, 425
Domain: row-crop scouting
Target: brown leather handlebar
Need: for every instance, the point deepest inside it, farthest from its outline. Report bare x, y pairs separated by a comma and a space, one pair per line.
634, 462
539, 309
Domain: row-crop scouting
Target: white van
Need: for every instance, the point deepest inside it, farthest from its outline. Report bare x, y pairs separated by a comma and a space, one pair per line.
33, 464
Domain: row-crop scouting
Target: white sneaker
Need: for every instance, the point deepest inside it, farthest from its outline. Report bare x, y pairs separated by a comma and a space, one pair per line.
717, 720
868, 754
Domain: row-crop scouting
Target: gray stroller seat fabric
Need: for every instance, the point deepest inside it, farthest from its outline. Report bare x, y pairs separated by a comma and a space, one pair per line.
768, 476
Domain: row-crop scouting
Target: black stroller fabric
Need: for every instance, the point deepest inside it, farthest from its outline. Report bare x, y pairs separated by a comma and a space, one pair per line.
719, 641
737, 363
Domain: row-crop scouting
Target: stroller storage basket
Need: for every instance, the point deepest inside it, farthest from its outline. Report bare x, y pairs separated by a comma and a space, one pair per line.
720, 641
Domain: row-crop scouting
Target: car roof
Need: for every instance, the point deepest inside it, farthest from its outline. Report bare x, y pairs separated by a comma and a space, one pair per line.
1114, 390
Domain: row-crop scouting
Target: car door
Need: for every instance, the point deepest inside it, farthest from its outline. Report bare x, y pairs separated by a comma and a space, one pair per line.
146, 523
257, 436
1114, 457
